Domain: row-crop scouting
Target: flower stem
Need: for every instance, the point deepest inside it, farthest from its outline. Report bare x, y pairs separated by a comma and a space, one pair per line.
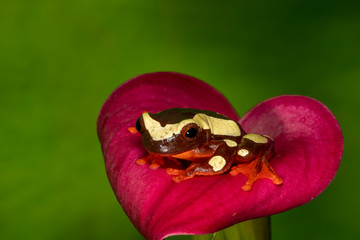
256, 229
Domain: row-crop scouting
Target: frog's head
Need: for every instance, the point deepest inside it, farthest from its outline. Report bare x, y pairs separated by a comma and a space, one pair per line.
172, 131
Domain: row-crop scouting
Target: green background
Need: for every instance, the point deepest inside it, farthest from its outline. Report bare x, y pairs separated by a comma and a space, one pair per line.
60, 60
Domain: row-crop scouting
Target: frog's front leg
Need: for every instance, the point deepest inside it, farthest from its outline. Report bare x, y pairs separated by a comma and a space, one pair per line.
253, 157
218, 159
155, 160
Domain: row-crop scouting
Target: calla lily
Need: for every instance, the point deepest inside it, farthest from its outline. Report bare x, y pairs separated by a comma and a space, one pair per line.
308, 147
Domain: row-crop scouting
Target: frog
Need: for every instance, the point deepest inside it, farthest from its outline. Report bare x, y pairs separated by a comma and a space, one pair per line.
208, 142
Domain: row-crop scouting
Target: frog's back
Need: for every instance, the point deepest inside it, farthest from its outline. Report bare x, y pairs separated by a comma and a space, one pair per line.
220, 126
176, 115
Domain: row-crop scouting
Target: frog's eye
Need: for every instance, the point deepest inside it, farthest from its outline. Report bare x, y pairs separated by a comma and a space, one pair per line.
190, 131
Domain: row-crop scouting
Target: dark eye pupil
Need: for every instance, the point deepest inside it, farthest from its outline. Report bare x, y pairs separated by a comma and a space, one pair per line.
138, 125
191, 133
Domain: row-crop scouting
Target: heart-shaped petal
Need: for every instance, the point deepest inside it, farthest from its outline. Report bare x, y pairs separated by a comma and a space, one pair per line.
308, 146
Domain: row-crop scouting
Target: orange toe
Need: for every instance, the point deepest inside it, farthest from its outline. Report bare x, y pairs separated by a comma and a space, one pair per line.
255, 170
141, 161
132, 130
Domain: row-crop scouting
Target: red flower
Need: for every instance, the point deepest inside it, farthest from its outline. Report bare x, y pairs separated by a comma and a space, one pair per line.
308, 147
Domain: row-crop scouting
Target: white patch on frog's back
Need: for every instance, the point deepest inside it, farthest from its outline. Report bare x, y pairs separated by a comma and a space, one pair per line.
243, 152
256, 138
217, 162
217, 126
202, 120
230, 143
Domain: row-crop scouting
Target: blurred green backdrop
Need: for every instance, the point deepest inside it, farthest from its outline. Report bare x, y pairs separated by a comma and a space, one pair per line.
60, 59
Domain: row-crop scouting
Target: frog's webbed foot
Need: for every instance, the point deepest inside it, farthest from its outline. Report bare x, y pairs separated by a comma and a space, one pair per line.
256, 151
257, 169
178, 174
155, 161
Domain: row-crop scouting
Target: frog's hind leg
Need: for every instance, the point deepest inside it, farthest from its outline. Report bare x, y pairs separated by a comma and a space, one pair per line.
253, 156
214, 166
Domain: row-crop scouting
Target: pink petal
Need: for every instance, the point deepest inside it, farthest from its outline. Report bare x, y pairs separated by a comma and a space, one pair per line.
308, 145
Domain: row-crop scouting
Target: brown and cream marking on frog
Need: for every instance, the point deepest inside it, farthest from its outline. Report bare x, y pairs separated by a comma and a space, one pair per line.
212, 144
